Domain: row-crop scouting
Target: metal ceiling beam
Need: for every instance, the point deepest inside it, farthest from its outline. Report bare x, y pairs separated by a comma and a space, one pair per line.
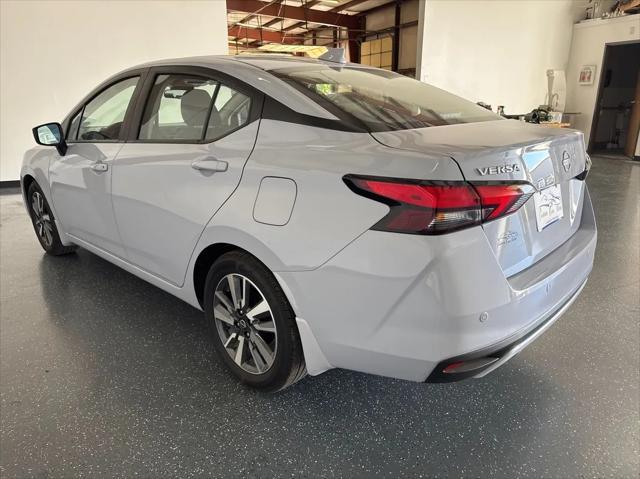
308, 4
347, 6
294, 13
242, 46
395, 52
384, 6
337, 9
253, 15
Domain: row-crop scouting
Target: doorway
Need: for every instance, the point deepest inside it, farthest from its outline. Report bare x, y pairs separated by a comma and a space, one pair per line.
616, 121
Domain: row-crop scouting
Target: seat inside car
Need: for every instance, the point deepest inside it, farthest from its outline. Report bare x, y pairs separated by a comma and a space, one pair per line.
194, 107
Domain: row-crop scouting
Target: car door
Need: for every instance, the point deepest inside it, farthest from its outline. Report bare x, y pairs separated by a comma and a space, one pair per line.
183, 158
80, 180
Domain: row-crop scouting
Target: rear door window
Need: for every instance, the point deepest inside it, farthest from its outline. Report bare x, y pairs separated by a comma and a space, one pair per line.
189, 108
178, 108
230, 111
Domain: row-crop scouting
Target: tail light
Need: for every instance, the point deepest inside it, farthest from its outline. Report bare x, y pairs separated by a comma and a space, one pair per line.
432, 207
587, 167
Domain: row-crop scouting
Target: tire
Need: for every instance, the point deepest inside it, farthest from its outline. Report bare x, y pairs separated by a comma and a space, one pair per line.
44, 223
267, 361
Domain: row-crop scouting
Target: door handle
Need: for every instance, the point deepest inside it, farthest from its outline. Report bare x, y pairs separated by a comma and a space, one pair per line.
100, 167
210, 164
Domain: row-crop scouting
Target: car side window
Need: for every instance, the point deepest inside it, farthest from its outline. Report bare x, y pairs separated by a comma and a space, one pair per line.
103, 116
230, 111
191, 108
72, 131
178, 108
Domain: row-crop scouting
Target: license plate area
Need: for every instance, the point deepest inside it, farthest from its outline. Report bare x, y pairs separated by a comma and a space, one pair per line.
548, 204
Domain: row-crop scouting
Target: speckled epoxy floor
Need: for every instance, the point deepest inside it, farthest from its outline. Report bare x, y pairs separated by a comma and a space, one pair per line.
103, 375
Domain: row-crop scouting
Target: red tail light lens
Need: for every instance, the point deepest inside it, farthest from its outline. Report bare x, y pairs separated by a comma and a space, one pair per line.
501, 200
429, 208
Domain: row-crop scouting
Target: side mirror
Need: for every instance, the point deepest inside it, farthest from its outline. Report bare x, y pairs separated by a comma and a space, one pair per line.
50, 134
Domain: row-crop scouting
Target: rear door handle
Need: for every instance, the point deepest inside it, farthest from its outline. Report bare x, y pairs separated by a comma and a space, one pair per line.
210, 164
100, 167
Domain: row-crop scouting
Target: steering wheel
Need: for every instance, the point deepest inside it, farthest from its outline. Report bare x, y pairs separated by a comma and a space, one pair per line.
94, 135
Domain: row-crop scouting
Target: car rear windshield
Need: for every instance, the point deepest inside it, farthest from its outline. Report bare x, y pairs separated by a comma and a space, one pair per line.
381, 100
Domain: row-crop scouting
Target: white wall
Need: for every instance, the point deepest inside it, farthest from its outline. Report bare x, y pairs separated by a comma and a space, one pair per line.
587, 48
52, 53
496, 51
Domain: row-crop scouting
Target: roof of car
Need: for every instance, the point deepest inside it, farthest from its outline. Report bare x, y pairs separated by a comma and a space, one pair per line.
269, 61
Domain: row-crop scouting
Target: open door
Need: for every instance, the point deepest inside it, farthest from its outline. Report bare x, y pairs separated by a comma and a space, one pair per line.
617, 115
632, 149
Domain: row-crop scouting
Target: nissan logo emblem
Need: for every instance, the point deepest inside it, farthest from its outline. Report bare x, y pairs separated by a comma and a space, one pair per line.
566, 161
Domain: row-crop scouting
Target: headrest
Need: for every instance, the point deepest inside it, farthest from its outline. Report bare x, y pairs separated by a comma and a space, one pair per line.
194, 106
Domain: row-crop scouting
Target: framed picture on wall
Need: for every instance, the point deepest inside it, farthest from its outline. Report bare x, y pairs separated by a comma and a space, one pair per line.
587, 75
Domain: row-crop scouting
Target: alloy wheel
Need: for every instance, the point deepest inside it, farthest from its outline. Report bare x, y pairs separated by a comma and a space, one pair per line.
42, 219
245, 323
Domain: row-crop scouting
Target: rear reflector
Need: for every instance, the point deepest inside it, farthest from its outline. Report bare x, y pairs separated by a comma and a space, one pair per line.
422, 207
587, 167
467, 366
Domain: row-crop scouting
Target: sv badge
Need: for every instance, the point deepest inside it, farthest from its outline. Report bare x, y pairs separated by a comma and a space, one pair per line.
498, 169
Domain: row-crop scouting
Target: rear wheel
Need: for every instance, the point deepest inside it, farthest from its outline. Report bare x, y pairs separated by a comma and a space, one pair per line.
252, 323
44, 223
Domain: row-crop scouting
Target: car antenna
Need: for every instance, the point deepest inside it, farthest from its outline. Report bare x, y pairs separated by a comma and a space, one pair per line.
334, 55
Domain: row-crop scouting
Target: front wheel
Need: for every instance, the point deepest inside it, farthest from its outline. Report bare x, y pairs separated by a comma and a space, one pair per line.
252, 323
44, 223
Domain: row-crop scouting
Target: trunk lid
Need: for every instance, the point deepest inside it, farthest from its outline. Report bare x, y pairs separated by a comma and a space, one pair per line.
512, 151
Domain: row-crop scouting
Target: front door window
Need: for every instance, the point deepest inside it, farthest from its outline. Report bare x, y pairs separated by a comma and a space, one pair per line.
103, 116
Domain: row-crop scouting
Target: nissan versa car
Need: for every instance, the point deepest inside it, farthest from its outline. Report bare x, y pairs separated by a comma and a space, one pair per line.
322, 214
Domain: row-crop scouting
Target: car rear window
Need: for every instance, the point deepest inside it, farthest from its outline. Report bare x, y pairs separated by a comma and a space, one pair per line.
382, 100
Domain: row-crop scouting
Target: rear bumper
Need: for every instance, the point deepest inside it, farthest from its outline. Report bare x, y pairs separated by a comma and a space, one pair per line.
480, 363
404, 305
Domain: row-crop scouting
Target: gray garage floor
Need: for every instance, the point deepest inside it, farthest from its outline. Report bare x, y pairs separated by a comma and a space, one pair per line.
104, 375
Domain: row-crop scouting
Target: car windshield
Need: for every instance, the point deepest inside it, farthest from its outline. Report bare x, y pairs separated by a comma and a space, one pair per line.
382, 100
